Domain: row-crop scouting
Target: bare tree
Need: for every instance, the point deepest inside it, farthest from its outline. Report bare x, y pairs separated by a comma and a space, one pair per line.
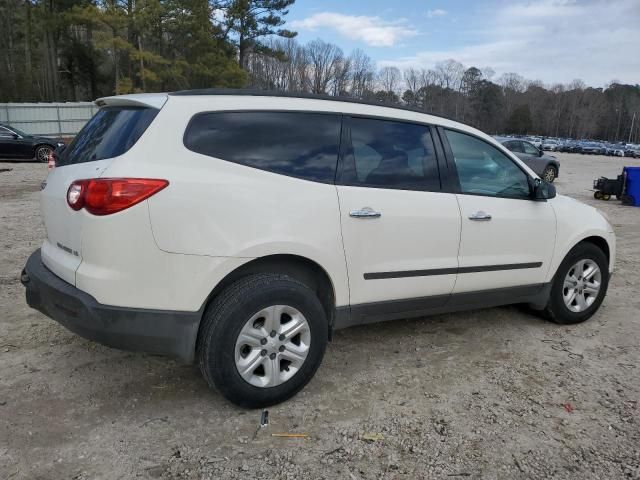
411, 79
323, 60
362, 73
389, 79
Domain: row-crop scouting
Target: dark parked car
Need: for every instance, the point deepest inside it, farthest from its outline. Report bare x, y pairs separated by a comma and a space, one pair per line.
631, 150
546, 166
614, 149
569, 146
593, 147
15, 144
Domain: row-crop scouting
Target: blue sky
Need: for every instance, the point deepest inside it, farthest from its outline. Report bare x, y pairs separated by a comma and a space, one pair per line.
549, 40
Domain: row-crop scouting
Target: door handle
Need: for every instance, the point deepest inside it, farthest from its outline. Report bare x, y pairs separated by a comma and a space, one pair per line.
480, 216
365, 212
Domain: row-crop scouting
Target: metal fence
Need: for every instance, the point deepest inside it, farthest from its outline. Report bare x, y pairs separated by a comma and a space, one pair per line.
48, 119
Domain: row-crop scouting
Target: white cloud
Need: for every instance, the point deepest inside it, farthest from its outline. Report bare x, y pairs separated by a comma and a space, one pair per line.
438, 12
550, 40
373, 31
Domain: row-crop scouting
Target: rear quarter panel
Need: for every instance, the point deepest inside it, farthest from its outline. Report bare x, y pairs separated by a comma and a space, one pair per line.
217, 209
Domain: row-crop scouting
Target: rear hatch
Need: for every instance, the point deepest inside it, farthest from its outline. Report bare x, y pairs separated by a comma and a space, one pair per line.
113, 130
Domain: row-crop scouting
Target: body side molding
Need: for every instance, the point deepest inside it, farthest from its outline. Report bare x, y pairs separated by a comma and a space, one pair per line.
450, 271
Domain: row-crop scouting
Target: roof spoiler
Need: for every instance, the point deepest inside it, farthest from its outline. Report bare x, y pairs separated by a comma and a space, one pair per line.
153, 100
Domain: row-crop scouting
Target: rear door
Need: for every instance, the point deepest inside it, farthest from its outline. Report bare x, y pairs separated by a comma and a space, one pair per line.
14, 145
400, 231
110, 133
6, 142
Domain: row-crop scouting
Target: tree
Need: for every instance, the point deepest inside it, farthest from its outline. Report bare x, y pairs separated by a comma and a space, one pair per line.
324, 59
247, 21
519, 122
362, 73
389, 79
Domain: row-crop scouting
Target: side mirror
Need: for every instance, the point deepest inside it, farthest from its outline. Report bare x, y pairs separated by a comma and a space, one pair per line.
542, 190
15, 136
540, 152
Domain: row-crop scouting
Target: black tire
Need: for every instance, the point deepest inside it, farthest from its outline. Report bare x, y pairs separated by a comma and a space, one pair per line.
549, 174
606, 197
42, 153
556, 310
223, 320
597, 195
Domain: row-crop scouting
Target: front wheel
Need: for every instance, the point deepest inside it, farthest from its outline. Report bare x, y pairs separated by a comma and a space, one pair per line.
579, 285
262, 339
549, 174
42, 153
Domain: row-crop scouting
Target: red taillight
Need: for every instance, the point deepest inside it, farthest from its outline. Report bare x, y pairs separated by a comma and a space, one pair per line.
103, 196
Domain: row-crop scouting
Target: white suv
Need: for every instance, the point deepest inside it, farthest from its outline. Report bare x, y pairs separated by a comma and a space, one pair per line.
239, 229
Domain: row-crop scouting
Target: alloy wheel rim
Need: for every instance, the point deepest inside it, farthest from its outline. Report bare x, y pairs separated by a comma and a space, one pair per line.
549, 175
582, 285
43, 154
272, 346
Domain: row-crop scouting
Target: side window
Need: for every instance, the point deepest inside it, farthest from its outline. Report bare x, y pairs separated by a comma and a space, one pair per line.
388, 154
4, 133
514, 146
484, 170
303, 145
530, 149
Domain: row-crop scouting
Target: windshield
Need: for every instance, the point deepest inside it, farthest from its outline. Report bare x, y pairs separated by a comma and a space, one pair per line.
111, 132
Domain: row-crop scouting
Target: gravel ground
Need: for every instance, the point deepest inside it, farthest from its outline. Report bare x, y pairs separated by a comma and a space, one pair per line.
495, 393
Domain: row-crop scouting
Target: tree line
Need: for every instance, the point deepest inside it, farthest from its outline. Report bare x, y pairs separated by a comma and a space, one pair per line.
506, 104
71, 50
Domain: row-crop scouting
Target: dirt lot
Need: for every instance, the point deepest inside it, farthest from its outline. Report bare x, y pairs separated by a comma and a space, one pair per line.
486, 394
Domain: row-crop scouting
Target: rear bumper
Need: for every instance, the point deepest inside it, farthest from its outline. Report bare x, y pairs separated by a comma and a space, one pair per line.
162, 332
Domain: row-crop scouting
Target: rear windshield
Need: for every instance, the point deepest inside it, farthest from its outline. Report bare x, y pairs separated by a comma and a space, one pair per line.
111, 132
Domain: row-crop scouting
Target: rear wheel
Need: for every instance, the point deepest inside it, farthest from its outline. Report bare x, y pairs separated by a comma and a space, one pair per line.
262, 339
42, 153
579, 285
549, 174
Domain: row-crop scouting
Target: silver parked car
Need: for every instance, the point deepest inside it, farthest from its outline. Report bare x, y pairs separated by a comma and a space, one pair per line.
546, 166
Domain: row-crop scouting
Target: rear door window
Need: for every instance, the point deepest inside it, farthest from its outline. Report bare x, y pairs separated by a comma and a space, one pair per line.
4, 133
296, 144
390, 154
111, 132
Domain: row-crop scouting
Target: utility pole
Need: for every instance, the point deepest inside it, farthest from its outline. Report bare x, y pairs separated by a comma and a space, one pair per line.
633, 120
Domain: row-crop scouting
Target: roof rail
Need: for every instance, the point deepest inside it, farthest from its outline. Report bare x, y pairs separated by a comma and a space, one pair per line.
309, 96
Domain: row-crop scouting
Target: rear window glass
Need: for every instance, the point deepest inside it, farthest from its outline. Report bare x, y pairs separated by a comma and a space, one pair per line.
303, 145
111, 132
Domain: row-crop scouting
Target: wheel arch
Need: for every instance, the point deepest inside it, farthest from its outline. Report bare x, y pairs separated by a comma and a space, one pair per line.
596, 239
43, 144
298, 267
599, 242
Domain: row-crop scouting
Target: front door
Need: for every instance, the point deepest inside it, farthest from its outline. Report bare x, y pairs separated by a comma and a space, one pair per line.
507, 238
400, 231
